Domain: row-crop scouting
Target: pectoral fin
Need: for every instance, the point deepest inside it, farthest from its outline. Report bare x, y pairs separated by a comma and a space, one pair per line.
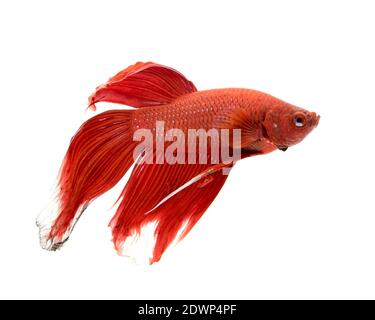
243, 120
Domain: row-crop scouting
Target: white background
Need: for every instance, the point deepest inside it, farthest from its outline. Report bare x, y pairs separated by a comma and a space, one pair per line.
299, 224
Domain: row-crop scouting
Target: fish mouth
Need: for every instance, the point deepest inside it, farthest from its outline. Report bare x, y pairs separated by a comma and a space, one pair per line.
315, 119
282, 148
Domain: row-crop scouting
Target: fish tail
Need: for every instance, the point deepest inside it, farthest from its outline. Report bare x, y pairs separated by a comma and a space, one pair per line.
98, 156
103, 148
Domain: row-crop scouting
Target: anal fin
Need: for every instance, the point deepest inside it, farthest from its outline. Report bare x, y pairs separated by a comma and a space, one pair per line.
172, 196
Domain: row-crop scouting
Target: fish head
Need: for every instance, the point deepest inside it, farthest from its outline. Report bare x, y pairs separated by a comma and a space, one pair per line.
286, 125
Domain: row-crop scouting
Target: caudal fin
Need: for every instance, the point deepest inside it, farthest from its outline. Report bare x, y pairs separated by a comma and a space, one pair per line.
102, 150
99, 155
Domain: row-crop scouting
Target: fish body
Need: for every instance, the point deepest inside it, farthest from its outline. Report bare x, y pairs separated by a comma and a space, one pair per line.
174, 192
202, 109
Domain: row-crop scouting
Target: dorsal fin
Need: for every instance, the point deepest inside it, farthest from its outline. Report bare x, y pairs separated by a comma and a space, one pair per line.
143, 84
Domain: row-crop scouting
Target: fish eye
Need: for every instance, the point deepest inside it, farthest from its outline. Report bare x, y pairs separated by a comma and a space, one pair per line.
299, 120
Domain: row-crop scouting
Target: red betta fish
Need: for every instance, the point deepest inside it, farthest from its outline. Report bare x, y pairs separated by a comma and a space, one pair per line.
169, 185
